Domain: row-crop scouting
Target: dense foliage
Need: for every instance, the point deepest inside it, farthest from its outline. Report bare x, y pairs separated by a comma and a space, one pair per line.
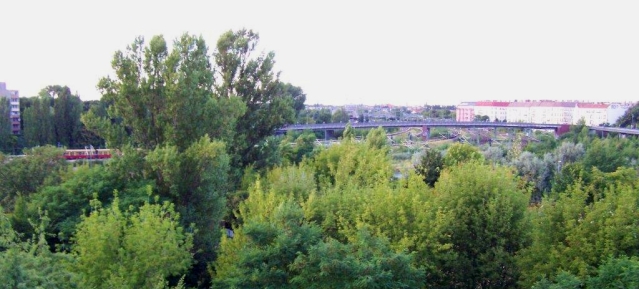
200, 194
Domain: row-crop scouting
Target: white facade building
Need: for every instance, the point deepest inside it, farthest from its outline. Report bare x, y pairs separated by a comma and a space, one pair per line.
547, 112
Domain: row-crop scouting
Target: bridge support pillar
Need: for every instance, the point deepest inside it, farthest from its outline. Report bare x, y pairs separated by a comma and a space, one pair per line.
425, 133
328, 134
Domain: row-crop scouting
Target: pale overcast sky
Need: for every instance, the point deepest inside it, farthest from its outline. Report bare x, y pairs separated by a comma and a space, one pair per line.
347, 52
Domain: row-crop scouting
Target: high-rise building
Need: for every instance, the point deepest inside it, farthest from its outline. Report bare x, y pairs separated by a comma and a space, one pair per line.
14, 104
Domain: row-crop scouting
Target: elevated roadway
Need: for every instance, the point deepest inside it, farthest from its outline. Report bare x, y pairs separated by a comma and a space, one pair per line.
427, 125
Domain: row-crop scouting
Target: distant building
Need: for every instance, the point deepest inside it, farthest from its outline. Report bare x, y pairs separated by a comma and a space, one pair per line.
592, 113
14, 102
465, 111
548, 112
495, 110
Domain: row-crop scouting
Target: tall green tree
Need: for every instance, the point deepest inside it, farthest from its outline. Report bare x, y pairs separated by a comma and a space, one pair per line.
196, 181
67, 109
87, 137
7, 140
251, 79
163, 97
38, 122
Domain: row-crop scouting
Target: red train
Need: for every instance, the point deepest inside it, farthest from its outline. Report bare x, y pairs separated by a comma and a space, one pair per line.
87, 154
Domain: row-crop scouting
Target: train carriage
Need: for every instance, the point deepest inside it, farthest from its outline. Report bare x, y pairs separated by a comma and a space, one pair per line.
87, 154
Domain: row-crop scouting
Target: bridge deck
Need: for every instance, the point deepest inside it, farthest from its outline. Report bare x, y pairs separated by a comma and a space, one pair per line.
430, 124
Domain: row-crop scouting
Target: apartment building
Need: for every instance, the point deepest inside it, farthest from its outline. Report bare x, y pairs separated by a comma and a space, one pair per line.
465, 111
495, 110
591, 113
552, 112
14, 102
555, 112
519, 112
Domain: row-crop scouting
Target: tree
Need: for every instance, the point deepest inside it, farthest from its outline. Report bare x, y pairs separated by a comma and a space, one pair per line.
65, 202
263, 249
340, 115
38, 122
30, 264
480, 225
297, 94
252, 80
304, 147
535, 172
24, 176
277, 246
622, 272
569, 152
576, 232
163, 97
564, 280
87, 137
365, 262
630, 117
460, 153
482, 118
605, 155
376, 138
7, 140
196, 181
349, 132
116, 249
494, 155
322, 116
351, 164
430, 166
67, 109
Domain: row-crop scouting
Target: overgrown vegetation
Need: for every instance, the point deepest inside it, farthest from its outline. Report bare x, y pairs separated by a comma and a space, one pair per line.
202, 195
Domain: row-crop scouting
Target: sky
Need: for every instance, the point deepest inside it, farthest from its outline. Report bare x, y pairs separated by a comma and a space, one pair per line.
351, 52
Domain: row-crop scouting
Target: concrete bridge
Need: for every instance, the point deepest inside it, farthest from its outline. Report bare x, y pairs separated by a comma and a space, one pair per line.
559, 129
